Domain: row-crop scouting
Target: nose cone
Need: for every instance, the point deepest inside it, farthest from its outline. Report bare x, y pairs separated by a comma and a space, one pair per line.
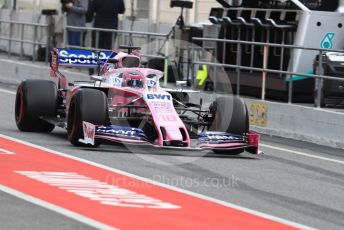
173, 134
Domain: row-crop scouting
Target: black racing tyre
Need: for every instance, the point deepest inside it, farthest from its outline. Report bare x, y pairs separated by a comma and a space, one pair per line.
231, 116
88, 105
34, 99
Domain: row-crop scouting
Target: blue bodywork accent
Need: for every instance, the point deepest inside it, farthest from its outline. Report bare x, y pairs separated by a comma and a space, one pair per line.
86, 58
121, 132
220, 138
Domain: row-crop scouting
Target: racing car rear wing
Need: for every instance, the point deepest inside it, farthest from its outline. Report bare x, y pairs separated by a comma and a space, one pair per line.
80, 58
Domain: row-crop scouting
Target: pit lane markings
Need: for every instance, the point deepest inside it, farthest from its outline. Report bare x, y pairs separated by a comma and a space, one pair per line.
96, 190
4, 151
302, 154
196, 209
54, 208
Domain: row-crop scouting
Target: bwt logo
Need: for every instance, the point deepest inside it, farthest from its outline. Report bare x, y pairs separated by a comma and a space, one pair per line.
158, 97
66, 57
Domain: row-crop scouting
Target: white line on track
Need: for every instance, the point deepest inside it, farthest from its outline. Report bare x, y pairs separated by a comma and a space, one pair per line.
7, 91
302, 154
4, 151
55, 208
200, 196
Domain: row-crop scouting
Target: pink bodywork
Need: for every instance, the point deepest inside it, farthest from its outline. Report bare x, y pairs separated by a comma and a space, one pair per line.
148, 99
159, 102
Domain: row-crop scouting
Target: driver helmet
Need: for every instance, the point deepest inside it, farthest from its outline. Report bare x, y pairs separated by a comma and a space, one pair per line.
132, 80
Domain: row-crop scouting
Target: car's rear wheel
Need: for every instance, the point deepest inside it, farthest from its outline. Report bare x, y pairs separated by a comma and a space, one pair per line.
89, 105
230, 116
35, 99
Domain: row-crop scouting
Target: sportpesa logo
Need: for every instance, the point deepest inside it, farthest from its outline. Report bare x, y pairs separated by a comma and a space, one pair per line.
82, 57
117, 131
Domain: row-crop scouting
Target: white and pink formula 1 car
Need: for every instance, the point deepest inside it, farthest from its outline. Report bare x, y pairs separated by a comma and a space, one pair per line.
125, 104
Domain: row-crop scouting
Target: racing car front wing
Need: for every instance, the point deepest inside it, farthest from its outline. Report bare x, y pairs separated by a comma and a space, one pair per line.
206, 140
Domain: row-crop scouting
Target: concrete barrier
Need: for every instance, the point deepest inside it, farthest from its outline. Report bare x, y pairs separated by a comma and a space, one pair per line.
319, 126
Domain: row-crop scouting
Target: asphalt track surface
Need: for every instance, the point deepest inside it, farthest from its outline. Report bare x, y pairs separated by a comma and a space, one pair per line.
293, 180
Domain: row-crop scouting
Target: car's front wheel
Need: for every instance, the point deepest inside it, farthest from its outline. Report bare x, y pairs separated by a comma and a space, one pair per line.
89, 105
230, 116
